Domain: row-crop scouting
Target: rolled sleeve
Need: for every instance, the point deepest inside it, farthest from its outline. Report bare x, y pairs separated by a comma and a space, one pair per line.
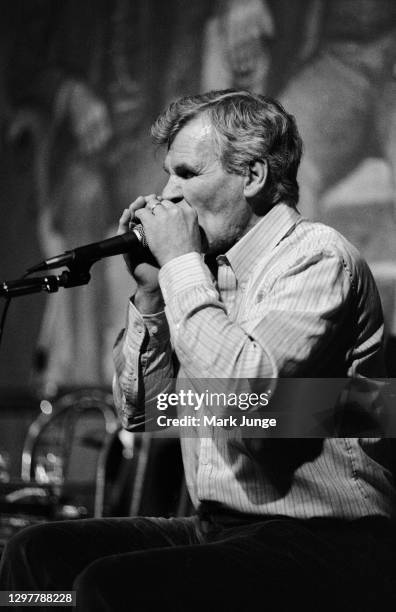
142, 351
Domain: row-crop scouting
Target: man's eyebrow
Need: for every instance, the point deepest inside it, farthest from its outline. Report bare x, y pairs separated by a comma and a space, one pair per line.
179, 167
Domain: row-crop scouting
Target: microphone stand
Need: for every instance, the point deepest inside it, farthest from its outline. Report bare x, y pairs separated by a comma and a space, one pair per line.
77, 274
73, 277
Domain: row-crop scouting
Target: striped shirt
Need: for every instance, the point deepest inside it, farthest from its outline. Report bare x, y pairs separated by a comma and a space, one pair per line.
292, 299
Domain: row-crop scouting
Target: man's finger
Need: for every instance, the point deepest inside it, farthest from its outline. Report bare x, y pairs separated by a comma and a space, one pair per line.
187, 208
151, 197
143, 214
140, 202
123, 224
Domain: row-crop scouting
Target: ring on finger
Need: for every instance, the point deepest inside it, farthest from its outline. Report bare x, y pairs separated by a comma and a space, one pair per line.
152, 208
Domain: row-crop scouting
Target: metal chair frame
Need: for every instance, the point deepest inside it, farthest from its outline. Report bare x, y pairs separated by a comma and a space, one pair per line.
80, 400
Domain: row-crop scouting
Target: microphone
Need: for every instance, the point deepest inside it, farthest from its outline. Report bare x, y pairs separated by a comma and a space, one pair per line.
133, 241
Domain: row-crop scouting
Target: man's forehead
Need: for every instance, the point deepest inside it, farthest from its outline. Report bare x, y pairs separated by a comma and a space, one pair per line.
193, 140
200, 127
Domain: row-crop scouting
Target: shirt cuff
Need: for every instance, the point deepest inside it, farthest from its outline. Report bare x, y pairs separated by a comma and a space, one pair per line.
138, 325
182, 273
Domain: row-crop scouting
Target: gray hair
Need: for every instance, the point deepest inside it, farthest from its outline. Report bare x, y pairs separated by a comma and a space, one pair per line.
247, 127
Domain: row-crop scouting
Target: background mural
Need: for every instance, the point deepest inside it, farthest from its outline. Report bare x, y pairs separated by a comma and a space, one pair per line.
81, 82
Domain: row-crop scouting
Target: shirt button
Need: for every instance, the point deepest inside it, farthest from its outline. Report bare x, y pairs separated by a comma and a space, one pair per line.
154, 330
221, 260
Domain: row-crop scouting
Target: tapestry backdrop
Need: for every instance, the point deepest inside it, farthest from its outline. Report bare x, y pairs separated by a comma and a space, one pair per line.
80, 84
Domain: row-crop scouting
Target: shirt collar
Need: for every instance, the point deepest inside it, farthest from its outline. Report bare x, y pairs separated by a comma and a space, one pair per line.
261, 239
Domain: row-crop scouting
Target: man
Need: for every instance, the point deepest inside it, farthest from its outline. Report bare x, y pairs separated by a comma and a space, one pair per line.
277, 521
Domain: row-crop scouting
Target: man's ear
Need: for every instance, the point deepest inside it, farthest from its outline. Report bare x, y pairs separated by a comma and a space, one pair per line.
255, 178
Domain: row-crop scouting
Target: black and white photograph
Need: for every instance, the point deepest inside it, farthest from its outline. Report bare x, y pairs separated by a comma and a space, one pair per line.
198, 305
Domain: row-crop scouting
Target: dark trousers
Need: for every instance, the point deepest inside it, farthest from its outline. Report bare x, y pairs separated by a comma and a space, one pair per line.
208, 563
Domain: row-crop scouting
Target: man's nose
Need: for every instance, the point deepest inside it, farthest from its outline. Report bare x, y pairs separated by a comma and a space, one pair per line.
173, 190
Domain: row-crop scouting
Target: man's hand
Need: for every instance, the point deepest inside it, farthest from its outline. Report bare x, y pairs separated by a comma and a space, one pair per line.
171, 229
148, 296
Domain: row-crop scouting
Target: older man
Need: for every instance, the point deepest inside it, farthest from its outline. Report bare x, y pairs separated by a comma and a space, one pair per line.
245, 288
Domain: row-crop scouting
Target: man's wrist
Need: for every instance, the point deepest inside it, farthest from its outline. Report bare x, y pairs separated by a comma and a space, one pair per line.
148, 302
177, 254
183, 274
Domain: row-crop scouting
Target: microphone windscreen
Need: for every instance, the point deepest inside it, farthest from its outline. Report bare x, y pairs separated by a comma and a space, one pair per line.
138, 230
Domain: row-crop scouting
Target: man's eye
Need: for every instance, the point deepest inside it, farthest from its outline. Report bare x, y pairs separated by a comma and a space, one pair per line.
186, 174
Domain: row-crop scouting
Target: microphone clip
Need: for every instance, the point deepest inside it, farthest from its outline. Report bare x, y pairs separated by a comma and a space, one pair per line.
47, 283
75, 276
